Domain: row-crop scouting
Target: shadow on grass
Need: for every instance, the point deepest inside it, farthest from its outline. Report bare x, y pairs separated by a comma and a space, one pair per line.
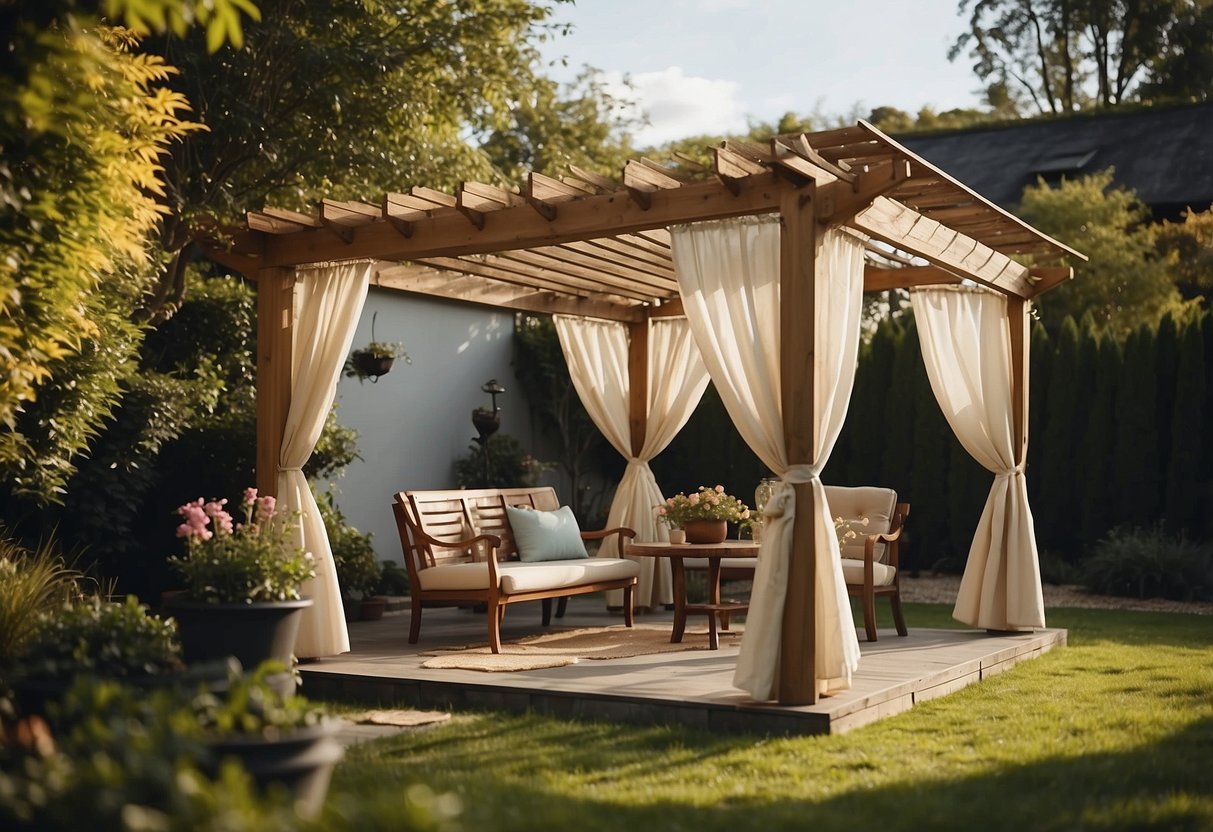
1160, 784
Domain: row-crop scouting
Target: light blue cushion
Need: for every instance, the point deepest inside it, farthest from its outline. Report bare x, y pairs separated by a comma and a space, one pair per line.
546, 535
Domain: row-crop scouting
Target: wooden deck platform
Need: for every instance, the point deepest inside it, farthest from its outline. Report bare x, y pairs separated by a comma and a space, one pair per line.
693, 687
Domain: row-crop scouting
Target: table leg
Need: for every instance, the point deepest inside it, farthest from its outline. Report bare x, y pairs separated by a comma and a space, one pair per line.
714, 600
680, 600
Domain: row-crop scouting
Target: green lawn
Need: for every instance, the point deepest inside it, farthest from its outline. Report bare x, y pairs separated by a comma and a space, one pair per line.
1114, 731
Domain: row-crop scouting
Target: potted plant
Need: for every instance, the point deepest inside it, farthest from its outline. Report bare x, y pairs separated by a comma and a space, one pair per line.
704, 515
277, 739
375, 359
242, 595
123, 757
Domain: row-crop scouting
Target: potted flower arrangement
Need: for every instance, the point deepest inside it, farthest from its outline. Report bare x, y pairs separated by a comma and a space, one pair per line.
704, 514
242, 595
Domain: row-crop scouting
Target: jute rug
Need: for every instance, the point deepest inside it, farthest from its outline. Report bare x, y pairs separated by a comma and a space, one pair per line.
571, 646
402, 718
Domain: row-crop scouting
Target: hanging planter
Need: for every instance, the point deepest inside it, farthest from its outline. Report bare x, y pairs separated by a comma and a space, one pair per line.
375, 359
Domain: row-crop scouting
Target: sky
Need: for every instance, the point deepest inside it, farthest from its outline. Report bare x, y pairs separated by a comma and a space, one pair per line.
709, 66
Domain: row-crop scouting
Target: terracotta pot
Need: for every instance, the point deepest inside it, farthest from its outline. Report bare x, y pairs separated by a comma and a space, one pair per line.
706, 531
372, 608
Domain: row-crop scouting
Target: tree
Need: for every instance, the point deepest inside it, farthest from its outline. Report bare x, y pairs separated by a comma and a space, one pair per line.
1183, 71
84, 123
1125, 282
553, 127
341, 100
1188, 485
1060, 435
1065, 56
555, 406
1188, 247
1135, 472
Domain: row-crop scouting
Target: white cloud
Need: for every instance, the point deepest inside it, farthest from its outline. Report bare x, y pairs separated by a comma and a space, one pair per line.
678, 105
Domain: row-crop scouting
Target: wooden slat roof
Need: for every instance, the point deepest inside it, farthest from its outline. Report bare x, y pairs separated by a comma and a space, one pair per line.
586, 243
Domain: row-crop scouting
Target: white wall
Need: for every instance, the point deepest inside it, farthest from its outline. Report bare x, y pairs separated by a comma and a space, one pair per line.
417, 420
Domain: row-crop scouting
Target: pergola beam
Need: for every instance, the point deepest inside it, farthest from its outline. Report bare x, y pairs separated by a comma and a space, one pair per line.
911, 232
450, 235
491, 292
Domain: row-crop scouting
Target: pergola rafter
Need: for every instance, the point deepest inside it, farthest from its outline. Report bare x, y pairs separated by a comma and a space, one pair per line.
584, 244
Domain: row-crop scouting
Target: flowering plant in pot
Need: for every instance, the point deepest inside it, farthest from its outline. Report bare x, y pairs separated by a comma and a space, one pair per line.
243, 582
703, 514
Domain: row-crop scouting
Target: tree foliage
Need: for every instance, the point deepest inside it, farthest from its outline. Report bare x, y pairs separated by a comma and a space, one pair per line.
1125, 282
1188, 247
1064, 56
555, 126
342, 100
84, 124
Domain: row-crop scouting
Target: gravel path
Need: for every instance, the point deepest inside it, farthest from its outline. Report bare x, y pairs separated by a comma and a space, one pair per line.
941, 589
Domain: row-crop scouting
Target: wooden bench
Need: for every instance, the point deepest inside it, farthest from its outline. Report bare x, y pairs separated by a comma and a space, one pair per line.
459, 549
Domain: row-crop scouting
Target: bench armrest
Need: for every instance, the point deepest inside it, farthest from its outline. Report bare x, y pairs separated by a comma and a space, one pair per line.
622, 531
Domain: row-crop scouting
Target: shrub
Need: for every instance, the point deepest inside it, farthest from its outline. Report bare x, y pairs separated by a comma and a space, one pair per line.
501, 464
353, 555
1054, 569
393, 579
1149, 563
100, 638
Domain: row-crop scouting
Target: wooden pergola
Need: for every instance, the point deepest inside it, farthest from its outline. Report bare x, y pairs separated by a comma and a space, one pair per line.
584, 244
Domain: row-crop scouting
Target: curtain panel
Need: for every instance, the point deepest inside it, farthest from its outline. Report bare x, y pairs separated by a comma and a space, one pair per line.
328, 303
597, 355
729, 277
966, 346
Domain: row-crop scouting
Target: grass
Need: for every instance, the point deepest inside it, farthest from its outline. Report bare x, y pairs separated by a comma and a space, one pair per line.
1114, 731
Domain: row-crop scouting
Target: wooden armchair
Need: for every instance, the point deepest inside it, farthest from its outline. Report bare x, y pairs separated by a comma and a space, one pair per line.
870, 557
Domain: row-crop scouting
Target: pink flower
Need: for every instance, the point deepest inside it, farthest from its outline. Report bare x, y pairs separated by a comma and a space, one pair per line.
693, 499
267, 505
250, 497
720, 489
661, 510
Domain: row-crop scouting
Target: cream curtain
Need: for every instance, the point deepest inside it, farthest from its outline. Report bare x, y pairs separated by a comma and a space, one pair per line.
597, 356
328, 302
966, 346
728, 274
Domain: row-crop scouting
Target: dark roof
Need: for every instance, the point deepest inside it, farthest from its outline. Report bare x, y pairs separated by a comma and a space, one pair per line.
1165, 155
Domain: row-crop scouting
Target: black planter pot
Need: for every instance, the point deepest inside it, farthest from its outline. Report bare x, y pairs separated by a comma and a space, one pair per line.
251, 633
301, 760
372, 366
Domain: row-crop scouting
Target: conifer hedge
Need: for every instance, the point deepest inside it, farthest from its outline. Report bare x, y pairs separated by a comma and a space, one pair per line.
1119, 435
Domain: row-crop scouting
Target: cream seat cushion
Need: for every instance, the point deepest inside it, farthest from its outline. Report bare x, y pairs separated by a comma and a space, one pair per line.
518, 577
852, 572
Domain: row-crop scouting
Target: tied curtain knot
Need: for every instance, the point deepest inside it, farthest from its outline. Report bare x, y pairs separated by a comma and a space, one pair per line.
783, 496
1013, 472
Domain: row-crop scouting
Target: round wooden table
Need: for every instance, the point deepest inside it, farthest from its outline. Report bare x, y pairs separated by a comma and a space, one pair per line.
713, 552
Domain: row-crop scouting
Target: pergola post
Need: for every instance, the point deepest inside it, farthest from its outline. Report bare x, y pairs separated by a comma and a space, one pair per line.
799, 377
275, 328
1018, 324
638, 382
